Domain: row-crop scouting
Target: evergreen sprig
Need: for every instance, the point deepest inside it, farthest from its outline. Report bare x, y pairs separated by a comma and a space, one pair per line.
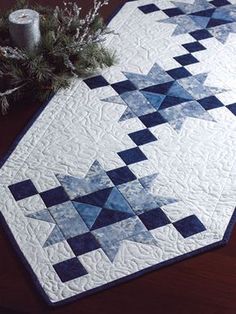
70, 46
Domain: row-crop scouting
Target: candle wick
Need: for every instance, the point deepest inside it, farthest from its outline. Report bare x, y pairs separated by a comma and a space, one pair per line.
23, 16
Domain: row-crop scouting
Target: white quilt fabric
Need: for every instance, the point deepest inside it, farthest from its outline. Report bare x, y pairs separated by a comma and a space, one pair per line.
180, 169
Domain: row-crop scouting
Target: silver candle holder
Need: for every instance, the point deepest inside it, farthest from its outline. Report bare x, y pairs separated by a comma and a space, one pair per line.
24, 27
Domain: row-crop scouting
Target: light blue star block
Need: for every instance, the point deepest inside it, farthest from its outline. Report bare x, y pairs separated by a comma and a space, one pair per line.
139, 198
195, 88
177, 115
110, 237
154, 99
88, 212
55, 236
96, 179
184, 24
117, 202
177, 90
43, 215
222, 32
68, 220
227, 13
154, 77
198, 5
200, 20
137, 103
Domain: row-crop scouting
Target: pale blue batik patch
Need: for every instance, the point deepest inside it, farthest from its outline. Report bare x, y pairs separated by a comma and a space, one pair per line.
184, 24
227, 13
55, 236
177, 115
222, 32
155, 76
148, 181
68, 220
128, 114
88, 212
195, 88
116, 201
140, 199
111, 237
154, 99
137, 103
197, 5
95, 179
177, 90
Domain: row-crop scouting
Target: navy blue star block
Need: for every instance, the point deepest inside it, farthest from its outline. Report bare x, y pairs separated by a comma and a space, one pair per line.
189, 226
97, 198
142, 137
96, 82
210, 102
219, 3
232, 108
179, 73
23, 190
193, 47
154, 218
217, 22
54, 196
123, 87
205, 13
173, 12
83, 244
149, 8
152, 119
132, 155
121, 175
108, 217
160, 88
186, 59
70, 269
200, 34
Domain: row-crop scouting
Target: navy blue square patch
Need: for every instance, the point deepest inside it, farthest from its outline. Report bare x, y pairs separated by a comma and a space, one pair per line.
54, 197
193, 47
179, 73
83, 244
132, 156
173, 12
23, 190
154, 218
232, 108
200, 34
96, 82
186, 59
121, 175
70, 269
210, 103
142, 137
149, 8
123, 87
152, 119
189, 226
219, 3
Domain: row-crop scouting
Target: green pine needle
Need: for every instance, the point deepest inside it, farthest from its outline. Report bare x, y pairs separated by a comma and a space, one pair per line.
68, 47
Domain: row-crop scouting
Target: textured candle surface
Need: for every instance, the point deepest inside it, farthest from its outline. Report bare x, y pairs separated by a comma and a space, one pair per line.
24, 27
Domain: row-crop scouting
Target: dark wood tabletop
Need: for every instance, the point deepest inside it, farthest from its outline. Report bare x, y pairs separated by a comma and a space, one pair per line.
205, 284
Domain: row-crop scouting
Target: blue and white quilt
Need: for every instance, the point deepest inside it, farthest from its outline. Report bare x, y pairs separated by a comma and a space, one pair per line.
132, 168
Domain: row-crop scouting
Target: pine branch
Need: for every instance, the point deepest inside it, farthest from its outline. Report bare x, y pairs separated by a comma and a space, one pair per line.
70, 45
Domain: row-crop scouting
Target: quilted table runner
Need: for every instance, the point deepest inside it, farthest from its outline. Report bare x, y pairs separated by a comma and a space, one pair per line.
133, 168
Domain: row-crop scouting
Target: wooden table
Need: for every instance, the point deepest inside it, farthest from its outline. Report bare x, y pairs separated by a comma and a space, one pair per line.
205, 284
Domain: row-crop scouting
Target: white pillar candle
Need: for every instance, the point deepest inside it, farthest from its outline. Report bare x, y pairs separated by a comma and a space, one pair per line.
24, 27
